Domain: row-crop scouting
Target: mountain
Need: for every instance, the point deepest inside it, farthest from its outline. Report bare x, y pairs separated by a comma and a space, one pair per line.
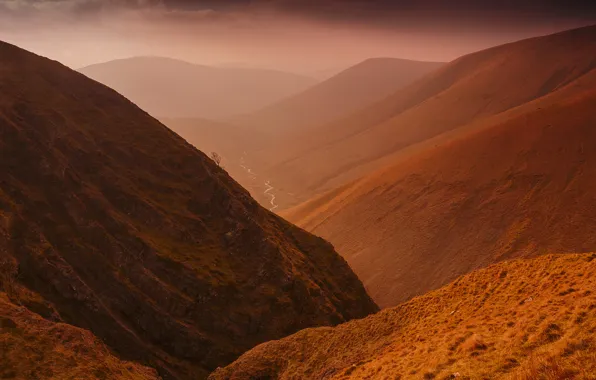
519, 183
231, 143
524, 319
340, 95
167, 87
469, 89
36, 348
113, 223
209, 136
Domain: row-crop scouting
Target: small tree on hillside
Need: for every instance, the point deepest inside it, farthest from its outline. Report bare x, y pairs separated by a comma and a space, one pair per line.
216, 158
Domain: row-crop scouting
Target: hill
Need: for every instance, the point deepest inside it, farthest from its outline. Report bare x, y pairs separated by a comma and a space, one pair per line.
349, 91
231, 143
524, 319
517, 184
36, 348
469, 89
167, 87
123, 228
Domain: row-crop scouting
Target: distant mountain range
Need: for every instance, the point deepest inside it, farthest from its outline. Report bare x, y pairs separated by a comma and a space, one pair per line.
167, 87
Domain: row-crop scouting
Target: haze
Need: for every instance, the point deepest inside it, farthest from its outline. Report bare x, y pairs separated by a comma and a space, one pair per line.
304, 189
305, 37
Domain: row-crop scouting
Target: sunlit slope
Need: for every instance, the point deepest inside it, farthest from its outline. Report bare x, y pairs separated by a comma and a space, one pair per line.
520, 183
468, 89
347, 92
524, 319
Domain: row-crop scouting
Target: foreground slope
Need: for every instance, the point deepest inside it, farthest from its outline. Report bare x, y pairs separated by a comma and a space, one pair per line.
524, 319
34, 348
170, 88
518, 184
125, 229
471, 88
344, 93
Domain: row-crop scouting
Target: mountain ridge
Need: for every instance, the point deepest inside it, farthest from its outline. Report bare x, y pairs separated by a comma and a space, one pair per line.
168, 87
473, 87
347, 91
491, 187
123, 228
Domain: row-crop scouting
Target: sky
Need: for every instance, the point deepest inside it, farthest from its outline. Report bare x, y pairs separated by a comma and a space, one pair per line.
306, 36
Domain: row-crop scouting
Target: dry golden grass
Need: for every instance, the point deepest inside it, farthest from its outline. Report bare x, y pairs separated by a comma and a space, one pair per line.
515, 185
471, 88
34, 348
522, 319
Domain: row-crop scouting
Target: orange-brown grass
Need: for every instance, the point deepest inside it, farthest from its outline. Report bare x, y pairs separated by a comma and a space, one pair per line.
471, 88
349, 91
34, 348
522, 319
518, 184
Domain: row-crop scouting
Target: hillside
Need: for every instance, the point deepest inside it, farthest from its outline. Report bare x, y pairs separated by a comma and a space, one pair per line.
34, 348
123, 228
170, 88
524, 319
230, 142
344, 93
518, 184
469, 89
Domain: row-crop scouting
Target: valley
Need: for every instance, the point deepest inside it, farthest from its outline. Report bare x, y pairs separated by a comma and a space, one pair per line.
297, 190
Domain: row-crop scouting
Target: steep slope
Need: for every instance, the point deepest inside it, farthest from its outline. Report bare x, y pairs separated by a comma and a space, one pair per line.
234, 144
525, 319
126, 230
468, 89
34, 348
230, 142
344, 93
520, 183
170, 88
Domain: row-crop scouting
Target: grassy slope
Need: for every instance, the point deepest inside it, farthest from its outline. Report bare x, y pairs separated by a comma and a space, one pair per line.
126, 230
517, 184
349, 91
34, 348
523, 319
471, 88
231, 143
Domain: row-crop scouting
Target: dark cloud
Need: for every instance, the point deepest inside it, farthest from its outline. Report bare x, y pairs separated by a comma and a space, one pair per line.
380, 13
367, 8
387, 13
320, 33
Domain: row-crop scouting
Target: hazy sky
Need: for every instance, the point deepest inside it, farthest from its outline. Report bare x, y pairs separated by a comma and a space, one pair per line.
296, 35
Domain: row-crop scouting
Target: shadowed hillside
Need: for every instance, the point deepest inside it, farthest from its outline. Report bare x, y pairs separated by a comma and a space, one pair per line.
170, 88
518, 184
344, 93
471, 88
123, 228
525, 319
233, 143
